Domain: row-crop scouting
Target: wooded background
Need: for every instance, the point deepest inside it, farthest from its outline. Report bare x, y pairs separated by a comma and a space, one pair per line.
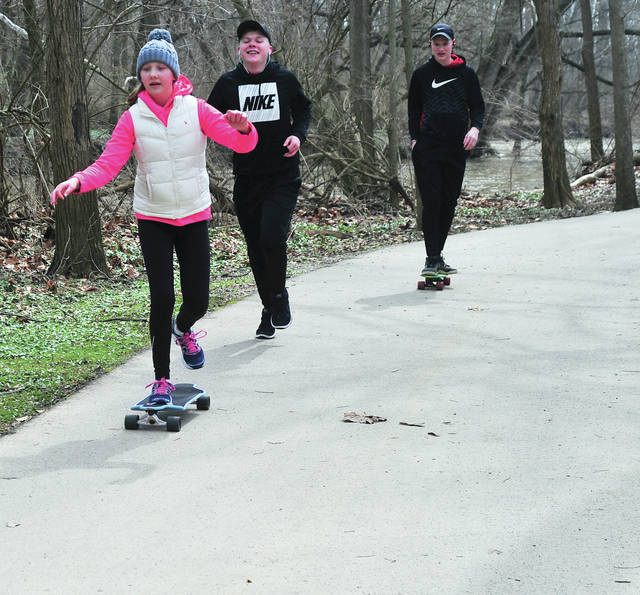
549, 69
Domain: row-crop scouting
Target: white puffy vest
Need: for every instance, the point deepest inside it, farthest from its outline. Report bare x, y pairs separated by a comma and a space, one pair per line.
171, 180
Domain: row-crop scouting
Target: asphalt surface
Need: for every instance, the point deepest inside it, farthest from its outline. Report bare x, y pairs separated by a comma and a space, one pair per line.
521, 473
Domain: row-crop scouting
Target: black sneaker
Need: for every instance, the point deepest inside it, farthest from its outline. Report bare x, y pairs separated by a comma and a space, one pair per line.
444, 268
265, 330
280, 311
430, 266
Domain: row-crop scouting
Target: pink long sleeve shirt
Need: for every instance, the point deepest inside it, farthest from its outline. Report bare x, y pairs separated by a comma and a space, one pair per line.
119, 147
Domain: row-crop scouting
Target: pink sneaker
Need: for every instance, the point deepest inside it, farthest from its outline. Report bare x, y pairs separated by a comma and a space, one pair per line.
192, 353
161, 392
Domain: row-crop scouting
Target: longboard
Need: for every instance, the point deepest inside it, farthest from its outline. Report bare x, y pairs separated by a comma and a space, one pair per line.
434, 282
168, 415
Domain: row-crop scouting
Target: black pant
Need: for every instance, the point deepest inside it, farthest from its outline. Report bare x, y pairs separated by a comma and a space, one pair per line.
191, 243
439, 180
264, 207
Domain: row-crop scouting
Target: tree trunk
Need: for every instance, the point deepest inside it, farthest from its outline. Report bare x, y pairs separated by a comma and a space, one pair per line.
360, 73
117, 51
5, 227
33, 26
407, 38
149, 20
626, 197
79, 249
591, 83
557, 192
392, 128
500, 43
407, 43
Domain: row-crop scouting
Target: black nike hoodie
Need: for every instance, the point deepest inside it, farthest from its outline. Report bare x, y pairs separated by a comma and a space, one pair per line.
276, 106
444, 102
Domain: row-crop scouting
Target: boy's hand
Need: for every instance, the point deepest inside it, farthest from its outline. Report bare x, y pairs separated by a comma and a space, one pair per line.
292, 144
471, 139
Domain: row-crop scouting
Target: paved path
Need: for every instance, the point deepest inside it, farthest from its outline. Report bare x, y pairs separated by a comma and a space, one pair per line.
524, 479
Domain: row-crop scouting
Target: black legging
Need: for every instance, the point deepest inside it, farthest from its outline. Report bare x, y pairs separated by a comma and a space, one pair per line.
264, 207
440, 183
191, 243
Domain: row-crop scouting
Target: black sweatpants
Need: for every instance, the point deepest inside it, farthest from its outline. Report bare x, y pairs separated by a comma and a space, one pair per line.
439, 182
264, 207
191, 244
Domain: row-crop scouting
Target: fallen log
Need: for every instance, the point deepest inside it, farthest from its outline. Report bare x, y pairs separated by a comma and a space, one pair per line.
592, 177
599, 173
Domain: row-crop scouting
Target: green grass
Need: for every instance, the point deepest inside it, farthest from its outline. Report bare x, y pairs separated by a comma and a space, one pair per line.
56, 342
56, 337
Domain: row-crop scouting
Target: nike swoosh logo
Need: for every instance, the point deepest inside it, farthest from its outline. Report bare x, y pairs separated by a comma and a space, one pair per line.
436, 85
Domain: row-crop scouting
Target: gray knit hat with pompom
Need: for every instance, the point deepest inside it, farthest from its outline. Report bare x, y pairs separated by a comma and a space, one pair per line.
159, 48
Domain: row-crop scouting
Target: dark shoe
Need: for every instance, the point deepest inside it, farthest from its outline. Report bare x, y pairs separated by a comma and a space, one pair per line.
444, 268
192, 353
265, 330
280, 311
430, 266
160, 392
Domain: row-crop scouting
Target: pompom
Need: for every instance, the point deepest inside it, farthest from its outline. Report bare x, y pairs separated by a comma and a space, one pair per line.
160, 34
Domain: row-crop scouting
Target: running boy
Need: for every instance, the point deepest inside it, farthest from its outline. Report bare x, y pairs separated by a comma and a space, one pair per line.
267, 182
167, 129
444, 97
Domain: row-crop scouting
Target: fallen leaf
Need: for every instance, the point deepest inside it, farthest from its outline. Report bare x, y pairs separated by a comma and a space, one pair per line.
355, 418
406, 423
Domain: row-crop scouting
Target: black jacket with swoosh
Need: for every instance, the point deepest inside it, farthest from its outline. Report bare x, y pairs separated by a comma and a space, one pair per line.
276, 106
444, 102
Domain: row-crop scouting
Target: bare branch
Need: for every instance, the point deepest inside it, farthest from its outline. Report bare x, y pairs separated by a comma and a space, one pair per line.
19, 30
601, 32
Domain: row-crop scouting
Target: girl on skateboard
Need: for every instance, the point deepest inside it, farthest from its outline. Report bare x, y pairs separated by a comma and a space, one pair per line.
167, 129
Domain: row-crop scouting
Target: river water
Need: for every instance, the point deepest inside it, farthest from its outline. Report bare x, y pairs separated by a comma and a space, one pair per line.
503, 173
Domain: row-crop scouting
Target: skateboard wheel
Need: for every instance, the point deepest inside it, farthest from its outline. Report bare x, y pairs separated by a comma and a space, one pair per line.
174, 423
447, 280
422, 284
203, 403
131, 422
440, 285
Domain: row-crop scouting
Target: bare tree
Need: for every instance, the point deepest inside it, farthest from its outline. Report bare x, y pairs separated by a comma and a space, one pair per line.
557, 192
360, 72
392, 126
79, 251
506, 59
407, 40
626, 197
591, 82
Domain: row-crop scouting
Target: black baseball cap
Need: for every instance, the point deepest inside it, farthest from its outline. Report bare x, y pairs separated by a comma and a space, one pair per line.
442, 29
247, 26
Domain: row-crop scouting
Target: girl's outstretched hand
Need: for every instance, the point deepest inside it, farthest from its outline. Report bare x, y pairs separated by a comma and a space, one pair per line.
63, 189
238, 120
